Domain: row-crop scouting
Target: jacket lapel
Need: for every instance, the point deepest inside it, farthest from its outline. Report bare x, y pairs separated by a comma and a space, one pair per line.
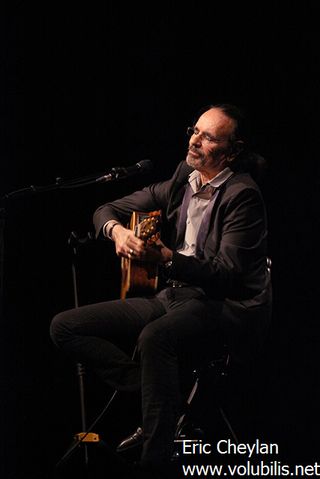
181, 228
205, 224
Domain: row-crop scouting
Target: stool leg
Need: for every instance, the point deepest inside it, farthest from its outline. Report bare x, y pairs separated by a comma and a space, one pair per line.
228, 424
189, 400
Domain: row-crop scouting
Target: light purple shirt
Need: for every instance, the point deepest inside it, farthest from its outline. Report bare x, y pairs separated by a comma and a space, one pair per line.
201, 197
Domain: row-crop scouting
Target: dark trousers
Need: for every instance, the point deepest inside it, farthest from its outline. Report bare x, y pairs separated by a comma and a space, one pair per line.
165, 328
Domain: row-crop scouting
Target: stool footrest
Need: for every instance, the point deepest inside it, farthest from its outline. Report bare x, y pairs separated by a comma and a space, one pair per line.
87, 437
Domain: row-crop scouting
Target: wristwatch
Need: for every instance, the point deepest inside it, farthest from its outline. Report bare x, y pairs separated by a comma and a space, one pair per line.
167, 265
109, 235
167, 269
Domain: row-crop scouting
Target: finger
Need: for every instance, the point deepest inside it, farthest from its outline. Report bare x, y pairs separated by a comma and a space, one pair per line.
158, 242
126, 255
135, 243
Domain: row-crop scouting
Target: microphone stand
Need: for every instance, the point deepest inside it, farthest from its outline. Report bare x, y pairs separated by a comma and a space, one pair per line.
60, 183
86, 437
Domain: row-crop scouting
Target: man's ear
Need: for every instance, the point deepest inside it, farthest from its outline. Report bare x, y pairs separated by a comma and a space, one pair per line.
235, 149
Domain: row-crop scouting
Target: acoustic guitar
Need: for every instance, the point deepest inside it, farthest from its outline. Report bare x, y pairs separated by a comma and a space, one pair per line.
141, 277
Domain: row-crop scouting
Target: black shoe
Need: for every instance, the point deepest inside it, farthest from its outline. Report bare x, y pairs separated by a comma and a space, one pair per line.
136, 439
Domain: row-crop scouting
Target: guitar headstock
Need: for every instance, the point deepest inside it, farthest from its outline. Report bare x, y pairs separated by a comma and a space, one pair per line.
149, 228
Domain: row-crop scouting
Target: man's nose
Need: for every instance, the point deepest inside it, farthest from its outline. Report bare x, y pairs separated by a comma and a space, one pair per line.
195, 139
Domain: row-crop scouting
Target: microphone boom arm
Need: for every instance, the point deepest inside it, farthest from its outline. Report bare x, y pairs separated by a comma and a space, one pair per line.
116, 173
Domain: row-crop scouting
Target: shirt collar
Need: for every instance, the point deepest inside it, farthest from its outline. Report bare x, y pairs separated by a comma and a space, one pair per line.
218, 180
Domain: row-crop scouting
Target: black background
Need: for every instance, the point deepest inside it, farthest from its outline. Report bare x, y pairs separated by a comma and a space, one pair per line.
88, 87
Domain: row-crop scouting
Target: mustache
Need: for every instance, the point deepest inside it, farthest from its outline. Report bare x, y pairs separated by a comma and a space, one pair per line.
195, 150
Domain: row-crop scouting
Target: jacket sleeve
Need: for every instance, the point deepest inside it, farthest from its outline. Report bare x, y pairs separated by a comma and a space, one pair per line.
234, 267
150, 198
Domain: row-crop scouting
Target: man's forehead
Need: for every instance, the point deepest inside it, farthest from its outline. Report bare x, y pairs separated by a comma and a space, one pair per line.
215, 118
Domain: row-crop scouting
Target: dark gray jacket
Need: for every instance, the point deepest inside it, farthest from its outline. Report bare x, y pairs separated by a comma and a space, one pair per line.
231, 261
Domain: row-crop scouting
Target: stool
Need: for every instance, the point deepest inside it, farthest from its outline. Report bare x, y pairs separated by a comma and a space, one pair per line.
215, 371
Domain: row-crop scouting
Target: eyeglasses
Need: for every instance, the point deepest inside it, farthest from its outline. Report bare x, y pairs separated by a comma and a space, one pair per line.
192, 130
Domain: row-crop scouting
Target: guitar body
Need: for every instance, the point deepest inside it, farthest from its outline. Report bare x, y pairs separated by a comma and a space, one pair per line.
141, 277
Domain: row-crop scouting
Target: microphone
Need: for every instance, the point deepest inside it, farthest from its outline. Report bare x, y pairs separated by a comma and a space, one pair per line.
119, 172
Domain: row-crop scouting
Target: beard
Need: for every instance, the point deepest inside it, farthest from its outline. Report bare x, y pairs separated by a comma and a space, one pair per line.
196, 161
201, 161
